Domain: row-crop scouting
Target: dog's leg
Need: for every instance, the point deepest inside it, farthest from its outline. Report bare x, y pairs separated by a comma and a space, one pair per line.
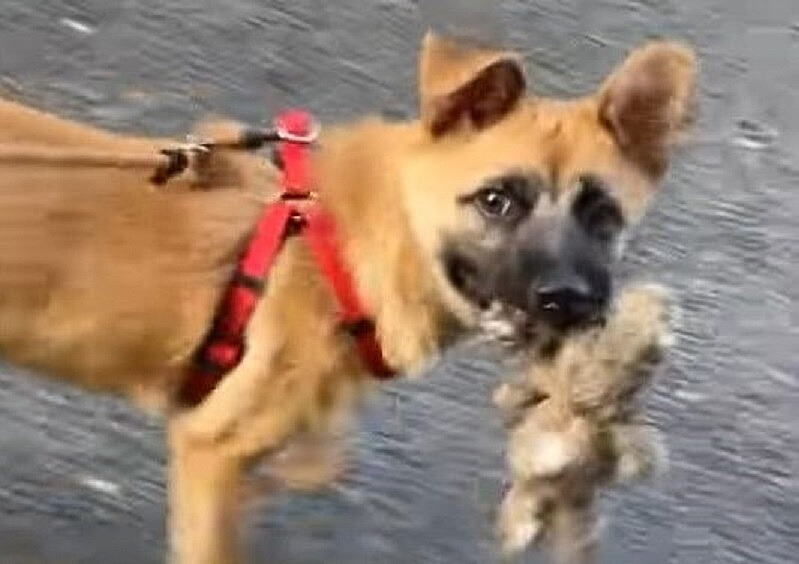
204, 486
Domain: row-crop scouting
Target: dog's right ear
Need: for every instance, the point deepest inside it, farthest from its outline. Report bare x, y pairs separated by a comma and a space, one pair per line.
648, 103
466, 86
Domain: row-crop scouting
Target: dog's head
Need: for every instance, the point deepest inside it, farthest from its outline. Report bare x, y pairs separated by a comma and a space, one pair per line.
523, 201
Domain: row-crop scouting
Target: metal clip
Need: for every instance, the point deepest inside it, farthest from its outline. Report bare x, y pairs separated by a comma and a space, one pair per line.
194, 145
313, 133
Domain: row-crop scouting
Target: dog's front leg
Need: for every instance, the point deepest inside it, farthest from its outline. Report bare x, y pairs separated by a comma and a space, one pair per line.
204, 496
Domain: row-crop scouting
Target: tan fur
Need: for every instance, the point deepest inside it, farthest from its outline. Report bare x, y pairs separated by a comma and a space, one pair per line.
111, 284
575, 427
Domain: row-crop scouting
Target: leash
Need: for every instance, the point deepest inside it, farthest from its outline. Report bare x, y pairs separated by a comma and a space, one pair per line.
296, 212
60, 157
165, 164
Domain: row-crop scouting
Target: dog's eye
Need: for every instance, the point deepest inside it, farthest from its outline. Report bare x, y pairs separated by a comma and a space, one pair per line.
596, 210
508, 198
495, 203
504, 199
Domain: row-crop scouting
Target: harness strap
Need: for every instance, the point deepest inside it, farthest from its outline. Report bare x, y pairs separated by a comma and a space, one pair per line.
296, 127
225, 344
321, 235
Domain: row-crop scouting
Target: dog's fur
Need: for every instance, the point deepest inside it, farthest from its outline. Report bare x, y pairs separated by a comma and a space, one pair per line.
110, 284
575, 426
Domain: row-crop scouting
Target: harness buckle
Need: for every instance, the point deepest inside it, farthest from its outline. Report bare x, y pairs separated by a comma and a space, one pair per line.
299, 196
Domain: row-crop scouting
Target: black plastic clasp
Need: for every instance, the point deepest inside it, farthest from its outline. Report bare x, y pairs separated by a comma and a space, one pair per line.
359, 327
296, 224
177, 162
252, 283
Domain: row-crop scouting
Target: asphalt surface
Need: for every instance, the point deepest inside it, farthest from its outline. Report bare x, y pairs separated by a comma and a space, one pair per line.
82, 478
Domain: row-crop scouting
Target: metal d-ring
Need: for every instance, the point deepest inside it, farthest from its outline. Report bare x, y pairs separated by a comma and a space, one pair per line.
286, 135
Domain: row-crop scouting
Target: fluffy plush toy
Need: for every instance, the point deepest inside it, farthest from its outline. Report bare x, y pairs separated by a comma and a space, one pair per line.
574, 426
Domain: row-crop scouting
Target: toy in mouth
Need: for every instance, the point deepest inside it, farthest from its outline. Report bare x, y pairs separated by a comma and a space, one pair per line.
573, 420
518, 331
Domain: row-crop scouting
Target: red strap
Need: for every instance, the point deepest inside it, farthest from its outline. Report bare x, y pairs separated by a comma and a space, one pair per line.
225, 344
321, 235
320, 232
266, 240
295, 155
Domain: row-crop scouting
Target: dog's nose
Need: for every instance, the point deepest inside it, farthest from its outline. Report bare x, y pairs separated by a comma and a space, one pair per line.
570, 304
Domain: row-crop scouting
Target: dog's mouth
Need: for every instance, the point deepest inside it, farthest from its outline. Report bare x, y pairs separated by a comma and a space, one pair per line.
517, 312
574, 317
515, 328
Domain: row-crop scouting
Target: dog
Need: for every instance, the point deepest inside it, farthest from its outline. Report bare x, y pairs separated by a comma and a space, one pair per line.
575, 426
491, 196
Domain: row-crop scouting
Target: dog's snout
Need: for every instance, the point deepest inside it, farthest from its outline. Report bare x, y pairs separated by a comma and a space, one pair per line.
570, 302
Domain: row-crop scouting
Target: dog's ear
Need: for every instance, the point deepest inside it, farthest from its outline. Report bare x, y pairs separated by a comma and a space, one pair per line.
648, 103
465, 85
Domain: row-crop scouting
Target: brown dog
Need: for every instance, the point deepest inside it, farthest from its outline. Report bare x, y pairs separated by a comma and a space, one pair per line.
491, 197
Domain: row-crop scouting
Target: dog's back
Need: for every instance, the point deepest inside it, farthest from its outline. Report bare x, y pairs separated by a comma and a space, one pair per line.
25, 125
102, 278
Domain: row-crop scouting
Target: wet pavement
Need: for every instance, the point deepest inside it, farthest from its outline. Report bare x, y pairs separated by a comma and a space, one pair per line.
82, 477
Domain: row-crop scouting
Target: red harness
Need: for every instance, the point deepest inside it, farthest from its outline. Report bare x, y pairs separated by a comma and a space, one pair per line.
225, 345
